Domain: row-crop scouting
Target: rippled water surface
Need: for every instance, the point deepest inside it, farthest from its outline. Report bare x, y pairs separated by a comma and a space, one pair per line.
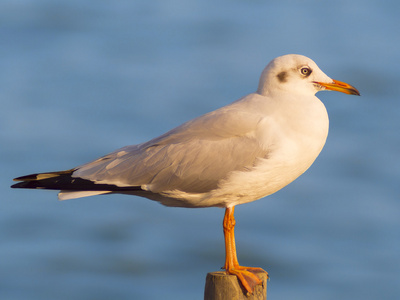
79, 79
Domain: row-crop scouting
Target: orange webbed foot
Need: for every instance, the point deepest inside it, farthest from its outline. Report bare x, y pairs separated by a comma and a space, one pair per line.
247, 276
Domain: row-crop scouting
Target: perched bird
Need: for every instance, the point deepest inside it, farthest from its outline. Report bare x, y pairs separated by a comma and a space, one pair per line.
239, 153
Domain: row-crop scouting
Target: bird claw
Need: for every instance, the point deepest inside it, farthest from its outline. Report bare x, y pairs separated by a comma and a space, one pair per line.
247, 276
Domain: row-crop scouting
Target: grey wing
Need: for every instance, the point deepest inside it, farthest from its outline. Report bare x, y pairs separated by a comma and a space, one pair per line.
192, 158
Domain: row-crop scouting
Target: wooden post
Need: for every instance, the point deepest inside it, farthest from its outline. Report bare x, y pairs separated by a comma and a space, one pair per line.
220, 286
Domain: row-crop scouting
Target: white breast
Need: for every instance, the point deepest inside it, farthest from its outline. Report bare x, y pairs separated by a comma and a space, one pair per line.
294, 138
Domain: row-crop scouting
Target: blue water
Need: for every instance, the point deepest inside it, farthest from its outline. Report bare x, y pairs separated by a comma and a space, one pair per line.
79, 79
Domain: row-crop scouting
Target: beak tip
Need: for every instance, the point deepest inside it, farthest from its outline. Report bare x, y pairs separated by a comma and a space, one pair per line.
356, 92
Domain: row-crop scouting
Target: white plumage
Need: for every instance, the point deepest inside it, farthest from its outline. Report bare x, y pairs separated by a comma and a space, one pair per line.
239, 153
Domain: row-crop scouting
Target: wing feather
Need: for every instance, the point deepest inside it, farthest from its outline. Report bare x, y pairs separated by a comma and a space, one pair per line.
193, 157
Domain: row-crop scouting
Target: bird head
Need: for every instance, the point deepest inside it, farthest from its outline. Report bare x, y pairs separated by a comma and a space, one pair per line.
298, 74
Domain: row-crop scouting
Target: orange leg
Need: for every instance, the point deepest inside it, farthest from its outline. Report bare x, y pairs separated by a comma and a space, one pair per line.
246, 275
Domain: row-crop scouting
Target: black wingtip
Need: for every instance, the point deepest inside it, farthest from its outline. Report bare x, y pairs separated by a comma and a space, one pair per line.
26, 177
25, 182
35, 181
21, 185
63, 180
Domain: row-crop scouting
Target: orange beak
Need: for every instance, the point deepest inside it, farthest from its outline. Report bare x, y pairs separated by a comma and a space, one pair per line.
339, 86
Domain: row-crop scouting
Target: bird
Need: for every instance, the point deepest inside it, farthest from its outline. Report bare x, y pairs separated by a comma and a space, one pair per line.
239, 153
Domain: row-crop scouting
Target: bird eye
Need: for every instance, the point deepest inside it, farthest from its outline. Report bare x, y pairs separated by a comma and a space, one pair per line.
305, 71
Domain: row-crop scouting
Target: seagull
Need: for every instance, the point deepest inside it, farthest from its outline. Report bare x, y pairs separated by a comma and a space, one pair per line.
236, 154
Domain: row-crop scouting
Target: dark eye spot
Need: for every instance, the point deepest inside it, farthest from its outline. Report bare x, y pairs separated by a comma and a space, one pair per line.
305, 71
282, 76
